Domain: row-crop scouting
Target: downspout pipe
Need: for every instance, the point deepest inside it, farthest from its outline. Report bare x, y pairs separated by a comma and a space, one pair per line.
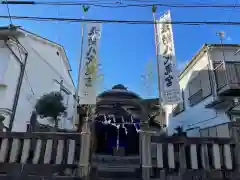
19, 83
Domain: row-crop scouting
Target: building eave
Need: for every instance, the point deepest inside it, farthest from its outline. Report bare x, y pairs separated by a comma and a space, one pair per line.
202, 50
10, 31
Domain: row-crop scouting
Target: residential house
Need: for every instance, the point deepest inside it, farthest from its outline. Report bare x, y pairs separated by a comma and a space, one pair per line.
210, 85
30, 67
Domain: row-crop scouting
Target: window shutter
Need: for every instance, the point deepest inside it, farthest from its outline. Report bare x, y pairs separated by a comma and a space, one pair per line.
200, 87
205, 82
195, 90
195, 85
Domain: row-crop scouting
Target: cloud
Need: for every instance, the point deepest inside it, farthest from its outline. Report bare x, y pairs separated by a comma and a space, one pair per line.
229, 38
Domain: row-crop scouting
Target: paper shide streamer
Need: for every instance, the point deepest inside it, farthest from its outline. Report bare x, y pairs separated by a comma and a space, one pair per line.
111, 120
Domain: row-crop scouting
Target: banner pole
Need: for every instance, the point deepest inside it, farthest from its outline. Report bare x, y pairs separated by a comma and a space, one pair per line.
158, 65
79, 77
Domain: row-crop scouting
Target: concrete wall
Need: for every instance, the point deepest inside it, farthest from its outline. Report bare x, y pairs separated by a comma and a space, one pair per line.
46, 64
198, 117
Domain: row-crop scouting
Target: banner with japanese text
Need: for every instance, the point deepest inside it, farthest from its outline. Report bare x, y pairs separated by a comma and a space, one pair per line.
87, 90
169, 83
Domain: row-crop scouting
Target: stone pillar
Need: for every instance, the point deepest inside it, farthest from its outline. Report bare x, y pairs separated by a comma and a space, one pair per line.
235, 134
84, 163
146, 155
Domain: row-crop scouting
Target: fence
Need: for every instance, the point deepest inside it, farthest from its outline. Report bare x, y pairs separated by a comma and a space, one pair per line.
220, 130
188, 158
42, 155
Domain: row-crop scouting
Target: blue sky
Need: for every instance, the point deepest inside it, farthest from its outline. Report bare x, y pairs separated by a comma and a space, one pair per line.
126, 49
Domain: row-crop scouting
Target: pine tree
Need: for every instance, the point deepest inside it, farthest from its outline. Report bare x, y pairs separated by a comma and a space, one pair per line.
51, 105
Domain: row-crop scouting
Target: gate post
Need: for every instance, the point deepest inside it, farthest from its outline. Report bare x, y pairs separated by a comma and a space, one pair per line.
84, 164
146, 156
235, 134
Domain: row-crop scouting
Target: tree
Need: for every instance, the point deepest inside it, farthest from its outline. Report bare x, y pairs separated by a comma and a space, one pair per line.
51, 105
179, 131
2, 118
148, 78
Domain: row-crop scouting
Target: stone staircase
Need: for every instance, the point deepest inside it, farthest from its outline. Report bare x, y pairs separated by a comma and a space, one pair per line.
115, 168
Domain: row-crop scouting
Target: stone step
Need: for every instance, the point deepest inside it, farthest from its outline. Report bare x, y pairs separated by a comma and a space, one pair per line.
32, 177
117, 175
116, 178
116, 168
106, 164
114, 173
101, 159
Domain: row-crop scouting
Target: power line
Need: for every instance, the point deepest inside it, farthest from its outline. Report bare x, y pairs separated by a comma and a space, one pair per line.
78, 20
230, 16
116, 5
9, 15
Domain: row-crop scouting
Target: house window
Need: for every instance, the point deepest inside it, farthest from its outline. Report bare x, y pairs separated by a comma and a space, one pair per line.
199, 87
180, 106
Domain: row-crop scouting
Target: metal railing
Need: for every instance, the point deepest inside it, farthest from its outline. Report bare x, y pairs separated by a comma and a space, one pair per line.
228, 76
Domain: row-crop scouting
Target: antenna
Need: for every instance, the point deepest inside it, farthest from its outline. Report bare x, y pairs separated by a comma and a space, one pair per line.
221, 35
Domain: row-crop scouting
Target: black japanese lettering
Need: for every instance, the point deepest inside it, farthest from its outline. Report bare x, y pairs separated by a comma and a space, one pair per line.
88, 81
91, 50
92, 41
92, 31
168, 80
92, 36
167, 58
165, 28
168, 69
89, 59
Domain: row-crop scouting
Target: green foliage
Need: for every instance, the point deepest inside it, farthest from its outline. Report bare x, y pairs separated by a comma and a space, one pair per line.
179, 131
85, 8
50, 105
148, 78
2, 118
154, 8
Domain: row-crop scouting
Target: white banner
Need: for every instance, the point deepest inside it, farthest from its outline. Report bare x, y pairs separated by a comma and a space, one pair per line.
88, 89
170, 90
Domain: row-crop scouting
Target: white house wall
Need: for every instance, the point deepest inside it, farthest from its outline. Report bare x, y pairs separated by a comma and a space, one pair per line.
197, 116
9, 79
43, 68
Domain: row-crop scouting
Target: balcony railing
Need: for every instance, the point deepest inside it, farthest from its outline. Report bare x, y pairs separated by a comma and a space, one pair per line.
227, 77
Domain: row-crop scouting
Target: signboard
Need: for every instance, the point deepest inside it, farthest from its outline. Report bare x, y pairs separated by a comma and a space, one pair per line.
170, 90
88, 92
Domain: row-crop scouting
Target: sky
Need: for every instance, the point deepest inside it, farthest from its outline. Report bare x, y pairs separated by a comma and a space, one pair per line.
125, 50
